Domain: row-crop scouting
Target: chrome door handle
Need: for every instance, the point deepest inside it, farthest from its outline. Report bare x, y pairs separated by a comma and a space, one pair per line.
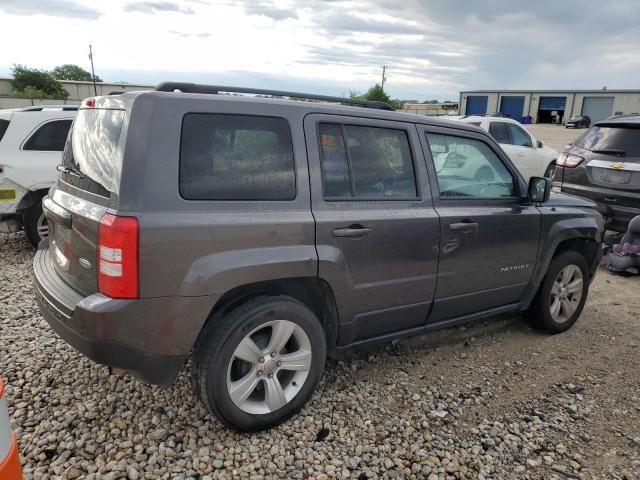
351, 232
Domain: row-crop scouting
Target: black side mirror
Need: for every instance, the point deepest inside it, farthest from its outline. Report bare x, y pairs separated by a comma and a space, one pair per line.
540, 144
539, 189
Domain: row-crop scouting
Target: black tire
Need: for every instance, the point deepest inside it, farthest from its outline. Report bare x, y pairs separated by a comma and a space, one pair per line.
549, 172
30, 222
218, 341
539, 314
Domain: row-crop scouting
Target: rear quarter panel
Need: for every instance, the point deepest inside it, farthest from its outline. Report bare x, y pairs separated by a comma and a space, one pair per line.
201, 247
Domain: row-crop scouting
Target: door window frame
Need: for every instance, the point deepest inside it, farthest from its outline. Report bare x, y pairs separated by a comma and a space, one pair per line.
526, 134
519, 184
312, 122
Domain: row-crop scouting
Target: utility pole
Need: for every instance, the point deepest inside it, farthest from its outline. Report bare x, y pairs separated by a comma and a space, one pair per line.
384, 77
93, 74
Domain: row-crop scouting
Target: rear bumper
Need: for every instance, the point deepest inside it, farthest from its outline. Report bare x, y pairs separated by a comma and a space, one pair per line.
150, 337
616, 217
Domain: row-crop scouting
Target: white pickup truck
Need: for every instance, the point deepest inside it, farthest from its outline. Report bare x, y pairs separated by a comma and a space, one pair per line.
31, 144
528, 154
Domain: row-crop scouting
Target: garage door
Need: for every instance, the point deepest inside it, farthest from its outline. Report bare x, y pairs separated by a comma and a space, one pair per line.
552, 103
476, 105
512, 107
597, 108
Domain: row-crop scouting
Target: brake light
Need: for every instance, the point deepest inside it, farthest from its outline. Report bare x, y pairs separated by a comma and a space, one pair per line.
88, 103
118, 256
569, 160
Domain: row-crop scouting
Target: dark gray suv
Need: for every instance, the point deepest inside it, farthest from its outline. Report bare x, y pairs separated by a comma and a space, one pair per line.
603, 165
259, 236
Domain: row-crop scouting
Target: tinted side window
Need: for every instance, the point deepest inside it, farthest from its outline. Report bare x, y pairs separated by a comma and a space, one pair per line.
49, 137
498, 130
367, 162
468, 168
236, 157
519, 136
4, 124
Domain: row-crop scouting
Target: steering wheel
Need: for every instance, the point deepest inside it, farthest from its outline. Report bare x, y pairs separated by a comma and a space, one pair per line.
382, 174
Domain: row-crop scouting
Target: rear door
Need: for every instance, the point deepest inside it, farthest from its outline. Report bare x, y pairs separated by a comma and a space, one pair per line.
93, 158
489, 236
377, 233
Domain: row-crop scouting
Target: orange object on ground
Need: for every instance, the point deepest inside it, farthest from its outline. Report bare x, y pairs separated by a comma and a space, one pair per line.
10, 468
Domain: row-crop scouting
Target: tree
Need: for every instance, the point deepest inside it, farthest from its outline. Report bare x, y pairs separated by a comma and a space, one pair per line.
377, 94
69, 71
34, 83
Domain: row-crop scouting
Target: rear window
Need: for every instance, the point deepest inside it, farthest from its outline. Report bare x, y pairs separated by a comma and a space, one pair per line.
236, 157
49, 137
624, 139
4, 124
366, 162
92, 150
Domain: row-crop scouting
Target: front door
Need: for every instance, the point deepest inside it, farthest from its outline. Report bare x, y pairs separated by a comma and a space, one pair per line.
377, 233
489, 235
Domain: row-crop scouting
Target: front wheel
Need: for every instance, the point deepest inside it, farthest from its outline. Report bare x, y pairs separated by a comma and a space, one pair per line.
35, 224
562, 294
257, 365
550, 171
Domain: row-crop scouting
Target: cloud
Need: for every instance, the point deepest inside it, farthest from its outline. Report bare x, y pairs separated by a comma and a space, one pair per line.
153, 7
60, 8
190, 34
267, 9
342, 22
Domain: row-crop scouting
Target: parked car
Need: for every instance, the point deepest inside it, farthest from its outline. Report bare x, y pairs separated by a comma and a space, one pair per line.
261, 235
603, 164
580, 121
31, 144
530, 155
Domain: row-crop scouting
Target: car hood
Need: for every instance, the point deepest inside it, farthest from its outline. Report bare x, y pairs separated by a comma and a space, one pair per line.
565, 200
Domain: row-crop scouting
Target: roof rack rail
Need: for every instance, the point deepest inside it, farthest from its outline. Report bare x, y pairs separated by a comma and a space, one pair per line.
40, 108
186, 87
495, 114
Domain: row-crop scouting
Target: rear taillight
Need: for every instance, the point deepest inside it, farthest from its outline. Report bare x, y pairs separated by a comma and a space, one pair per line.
118, 256
569, 160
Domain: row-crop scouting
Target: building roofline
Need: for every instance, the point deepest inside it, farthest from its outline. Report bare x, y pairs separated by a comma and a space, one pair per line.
83, 82
553, 91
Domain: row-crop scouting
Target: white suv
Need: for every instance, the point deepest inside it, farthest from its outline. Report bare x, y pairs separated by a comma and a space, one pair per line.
530, 155
31, 144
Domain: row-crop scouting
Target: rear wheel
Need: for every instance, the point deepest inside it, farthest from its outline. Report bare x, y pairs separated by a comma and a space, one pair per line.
257, 365
35, 224
562, 295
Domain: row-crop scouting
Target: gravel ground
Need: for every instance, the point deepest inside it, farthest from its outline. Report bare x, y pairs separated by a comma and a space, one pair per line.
495, 401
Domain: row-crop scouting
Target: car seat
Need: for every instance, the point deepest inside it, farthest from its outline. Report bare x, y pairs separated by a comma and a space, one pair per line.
624, 257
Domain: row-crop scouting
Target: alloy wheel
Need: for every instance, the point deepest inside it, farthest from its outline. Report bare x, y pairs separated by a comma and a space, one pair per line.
42, 227
269, 367
566, 293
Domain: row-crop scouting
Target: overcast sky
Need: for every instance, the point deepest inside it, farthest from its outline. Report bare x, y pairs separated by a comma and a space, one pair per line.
433, 48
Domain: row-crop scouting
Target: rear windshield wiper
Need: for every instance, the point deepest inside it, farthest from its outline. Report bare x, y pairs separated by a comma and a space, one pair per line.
610, 151
70, 170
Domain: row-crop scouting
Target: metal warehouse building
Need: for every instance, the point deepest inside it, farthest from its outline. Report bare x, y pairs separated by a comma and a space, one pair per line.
543, 105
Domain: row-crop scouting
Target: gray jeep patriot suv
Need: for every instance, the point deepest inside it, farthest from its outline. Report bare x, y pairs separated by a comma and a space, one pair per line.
259, 236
